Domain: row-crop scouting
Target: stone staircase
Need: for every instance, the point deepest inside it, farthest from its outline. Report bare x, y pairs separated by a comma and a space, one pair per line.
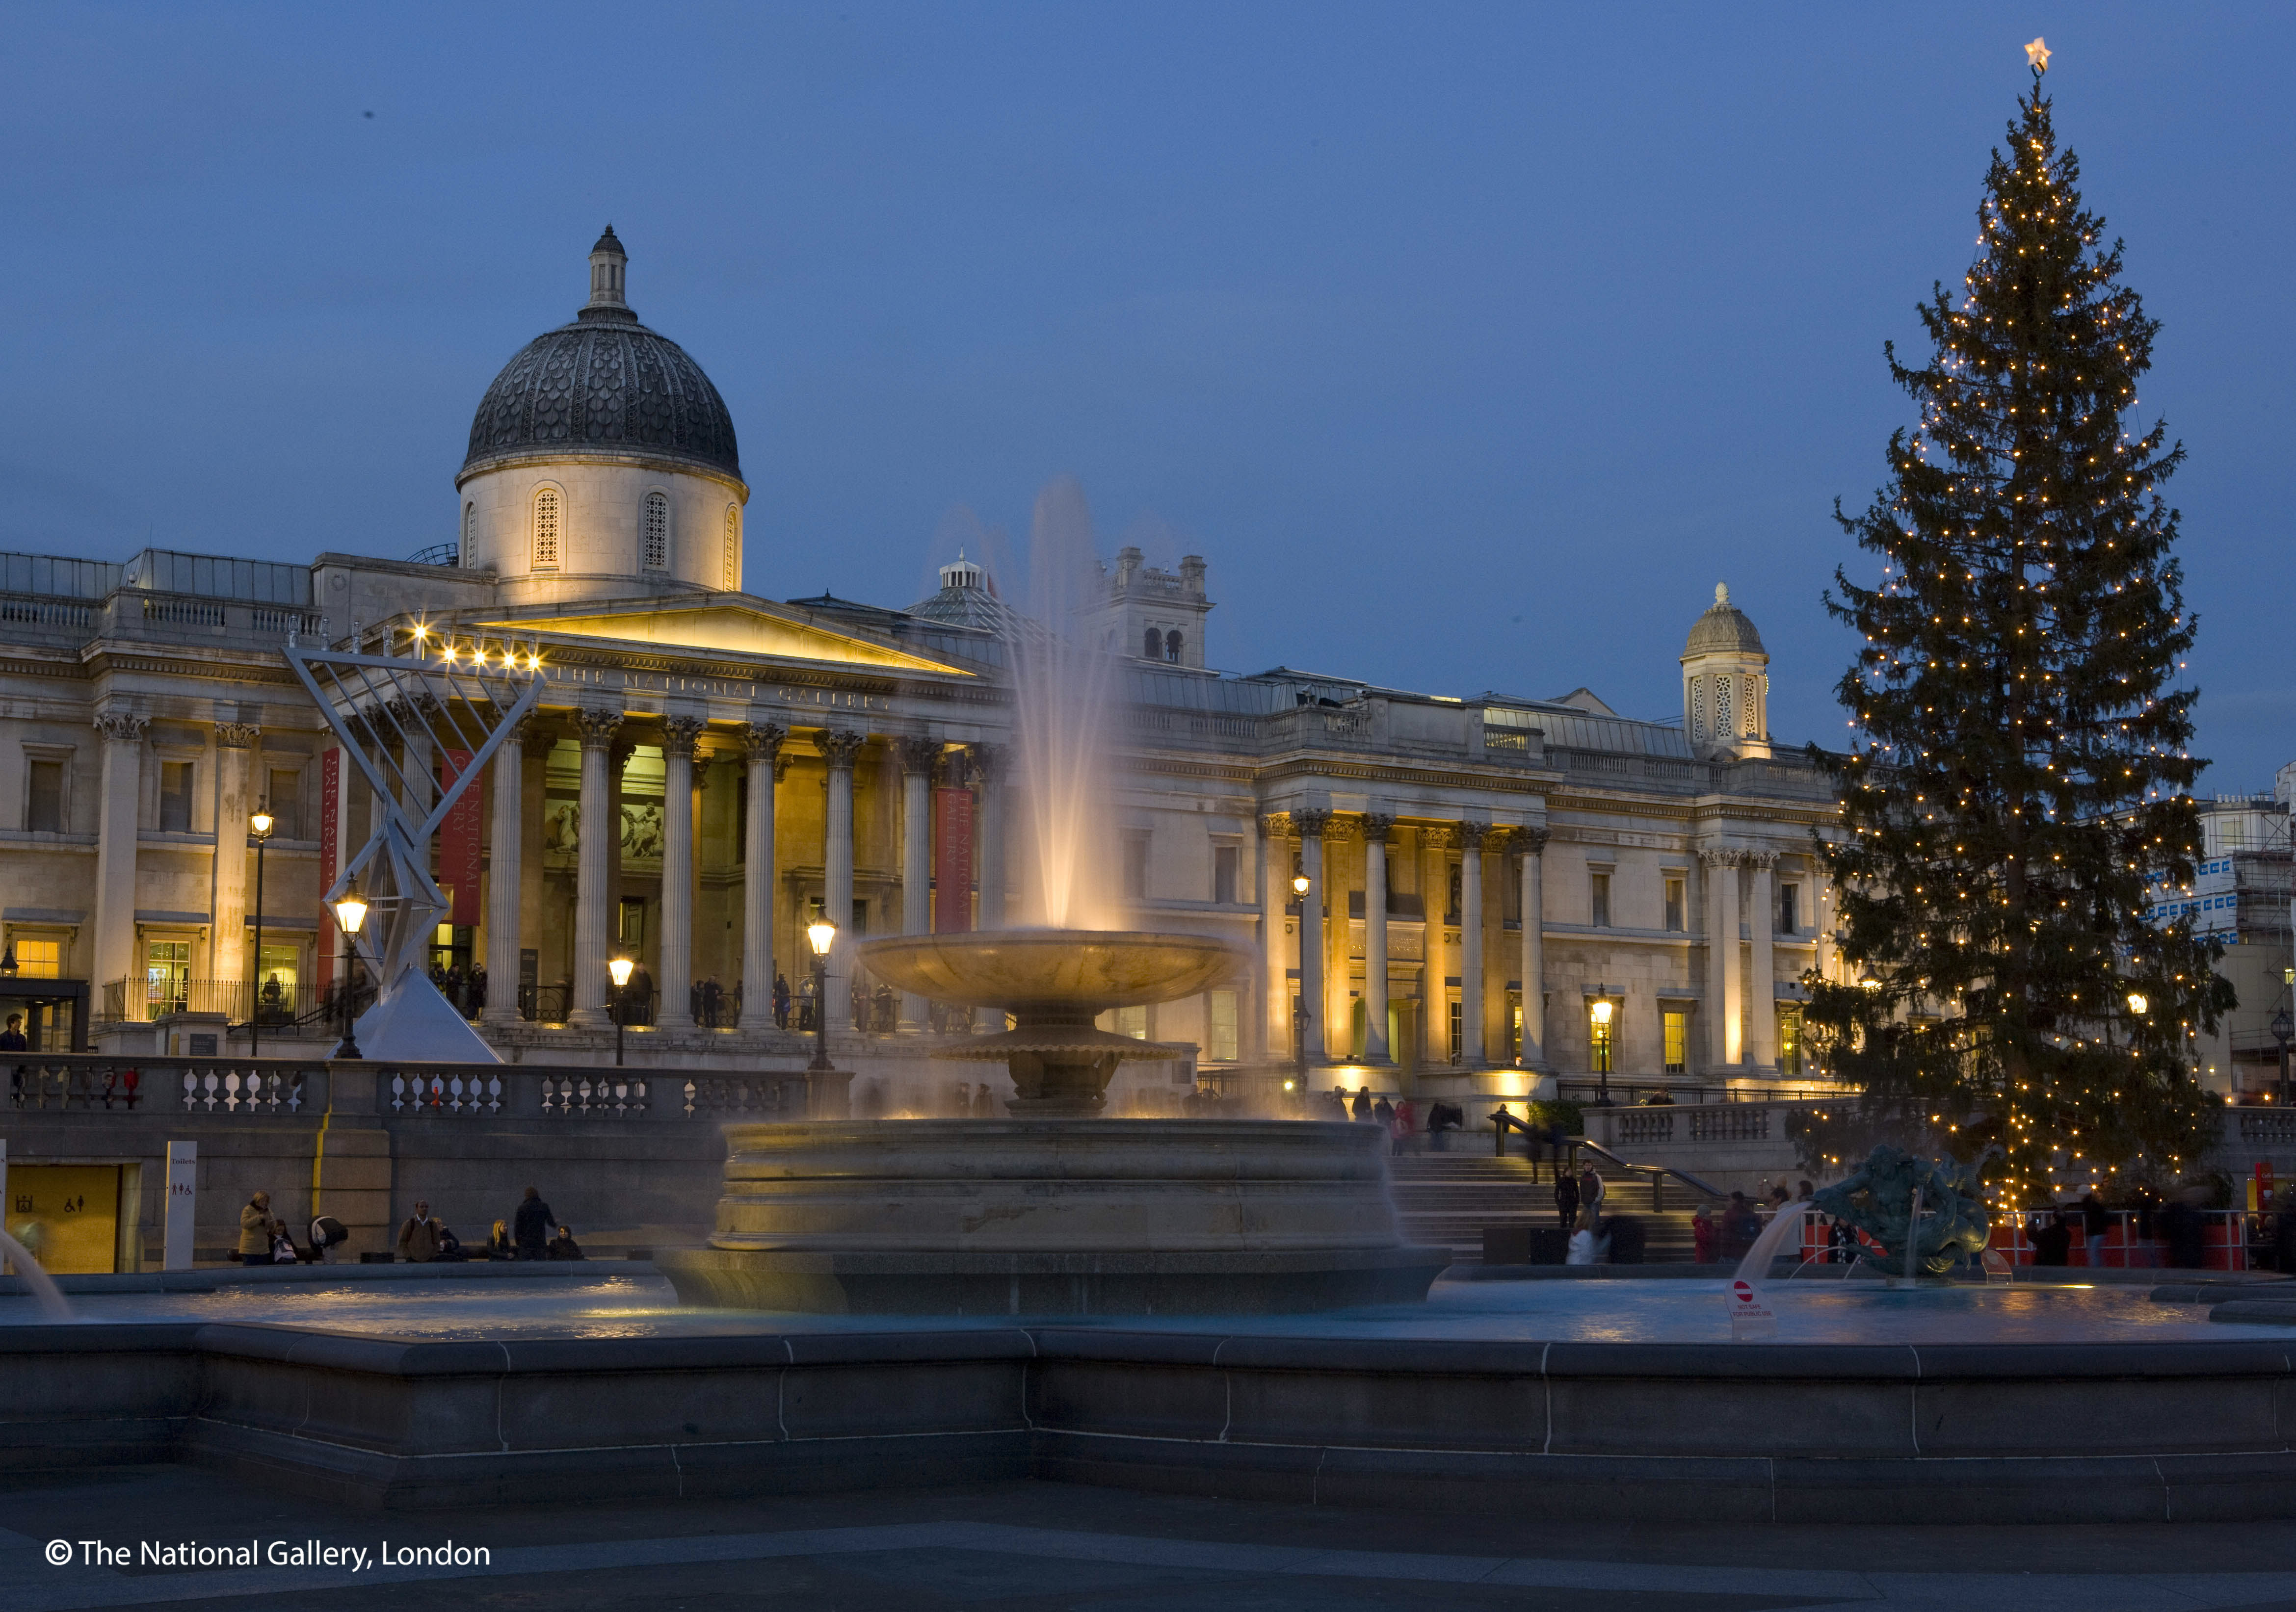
1447, 1198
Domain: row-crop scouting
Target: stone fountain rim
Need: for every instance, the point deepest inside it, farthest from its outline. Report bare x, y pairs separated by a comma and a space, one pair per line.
1060, 1000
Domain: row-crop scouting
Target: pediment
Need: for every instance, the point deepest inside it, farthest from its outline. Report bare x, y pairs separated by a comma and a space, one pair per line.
728, 629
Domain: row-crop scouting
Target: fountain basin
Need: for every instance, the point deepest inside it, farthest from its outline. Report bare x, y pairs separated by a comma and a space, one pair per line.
1054, 1216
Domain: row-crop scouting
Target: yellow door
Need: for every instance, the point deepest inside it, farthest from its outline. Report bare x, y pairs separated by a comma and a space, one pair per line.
67, 1215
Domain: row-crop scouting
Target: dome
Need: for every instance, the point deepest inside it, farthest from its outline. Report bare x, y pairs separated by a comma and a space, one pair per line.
604, 384
1724, 629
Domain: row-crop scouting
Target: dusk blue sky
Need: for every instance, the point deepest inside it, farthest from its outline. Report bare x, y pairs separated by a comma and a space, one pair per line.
1470, 345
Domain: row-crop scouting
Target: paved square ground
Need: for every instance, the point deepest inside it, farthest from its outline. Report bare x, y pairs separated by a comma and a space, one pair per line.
1057, 1548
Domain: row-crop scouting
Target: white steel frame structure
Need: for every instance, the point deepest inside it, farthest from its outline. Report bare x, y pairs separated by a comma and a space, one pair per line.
393, 714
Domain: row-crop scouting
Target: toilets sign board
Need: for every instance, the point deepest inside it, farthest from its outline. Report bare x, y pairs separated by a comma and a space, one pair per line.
1750, 1317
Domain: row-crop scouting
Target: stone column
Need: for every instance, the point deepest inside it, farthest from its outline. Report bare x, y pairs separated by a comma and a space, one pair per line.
115, 850
918, 758
1761, 989
1533, 843
1274, 946
838, 748
417, 760
761, 749
507, 873
988, 763
227, 955
596, 843
1376, 829
676, 979
1312, 1033
1722, 971
1470, 836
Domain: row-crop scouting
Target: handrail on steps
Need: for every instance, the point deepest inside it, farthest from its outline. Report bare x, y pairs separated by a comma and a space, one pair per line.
1502, 1120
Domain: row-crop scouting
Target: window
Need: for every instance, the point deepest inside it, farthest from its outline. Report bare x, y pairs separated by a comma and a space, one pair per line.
1722, 729
1675, 918
1789, 1040
285, 800
464, 557
632, 933
1602, 1027
1220, 1027
1172, 648
1599, 900
1458, 1030
1225, 860
732, 548
1514, 1024
545, 529
274, 981
1152, 644
1451, 912
1677, 1040
44, 804
1698, 708
166, 975
1136, 866
1132, 1022
1511, 902
1789, 905
176, 796
654, 534
38, 958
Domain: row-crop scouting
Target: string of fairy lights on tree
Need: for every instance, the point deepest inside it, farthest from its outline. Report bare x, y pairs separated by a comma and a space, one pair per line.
2018, 774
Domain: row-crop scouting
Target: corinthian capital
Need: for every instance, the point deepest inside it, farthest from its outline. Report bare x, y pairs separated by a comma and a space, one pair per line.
839, 746
1310, 825
762, 740
598, 728
1469, 835
1761, 861
679, 734
1529, 842
1720, 856
236, 736
918, 756
1378, 828
987, 762
122, 727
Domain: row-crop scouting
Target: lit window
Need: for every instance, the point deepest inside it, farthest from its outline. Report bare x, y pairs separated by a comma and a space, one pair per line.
1132, 1022
545, 529
1221, 1034
1677, 1040
655, 534
1790, 1041
732, 548
1675, 919
38, 958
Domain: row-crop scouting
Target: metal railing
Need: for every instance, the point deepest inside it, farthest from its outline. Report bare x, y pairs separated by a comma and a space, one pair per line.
238, 1001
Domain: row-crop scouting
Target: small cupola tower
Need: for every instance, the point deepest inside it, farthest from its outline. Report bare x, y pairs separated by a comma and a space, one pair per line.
609, 273
1725, 683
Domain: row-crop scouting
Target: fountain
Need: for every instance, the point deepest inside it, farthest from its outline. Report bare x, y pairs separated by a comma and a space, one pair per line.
54, 1304
1055, 1209
1887, 1198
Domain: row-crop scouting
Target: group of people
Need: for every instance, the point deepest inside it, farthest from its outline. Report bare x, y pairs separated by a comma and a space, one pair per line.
1400, 1117
1730, 1233
264, 1239
464, 988
424, 1238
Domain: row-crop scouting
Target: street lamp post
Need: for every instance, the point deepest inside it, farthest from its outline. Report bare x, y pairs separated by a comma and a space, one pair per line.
350, 914
258, 828
620, 970
823, 935
1299, 1001
1601, 1014
2283, 1029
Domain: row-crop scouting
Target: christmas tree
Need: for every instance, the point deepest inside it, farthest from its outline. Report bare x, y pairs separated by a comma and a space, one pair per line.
2020, 770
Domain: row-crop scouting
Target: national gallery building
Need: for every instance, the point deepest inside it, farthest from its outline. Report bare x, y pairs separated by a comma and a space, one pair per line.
1498, 889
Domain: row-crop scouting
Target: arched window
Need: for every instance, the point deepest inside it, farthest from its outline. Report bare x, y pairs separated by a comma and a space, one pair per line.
1152, 644
462, 555
1751, 710
732, 548
1724, 727
545, 529
1172, 648
1698, 708
655, 533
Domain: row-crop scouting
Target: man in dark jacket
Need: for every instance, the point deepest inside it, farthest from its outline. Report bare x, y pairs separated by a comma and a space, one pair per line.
1566, 1199
530, 1226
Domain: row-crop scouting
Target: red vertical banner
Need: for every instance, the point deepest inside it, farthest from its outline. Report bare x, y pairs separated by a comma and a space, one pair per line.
331, 849
458, 841
952, 861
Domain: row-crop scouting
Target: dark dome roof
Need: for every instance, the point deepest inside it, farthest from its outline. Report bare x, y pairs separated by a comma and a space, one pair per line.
1723, 627
603, 384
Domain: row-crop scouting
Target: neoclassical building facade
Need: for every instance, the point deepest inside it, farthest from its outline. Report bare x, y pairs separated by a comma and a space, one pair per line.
1499, 890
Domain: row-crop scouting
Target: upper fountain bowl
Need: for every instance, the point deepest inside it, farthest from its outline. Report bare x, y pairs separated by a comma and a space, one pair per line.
1053, 972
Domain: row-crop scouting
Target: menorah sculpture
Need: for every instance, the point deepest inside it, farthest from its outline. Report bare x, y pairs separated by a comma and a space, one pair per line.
395, 716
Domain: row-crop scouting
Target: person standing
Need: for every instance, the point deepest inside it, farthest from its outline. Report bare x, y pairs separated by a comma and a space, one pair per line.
255, 1231
531, 1225
2096, 1225
1361, 1107
1406, 1123
418, 1238
781, 1001
1566, 1200
1590, 1198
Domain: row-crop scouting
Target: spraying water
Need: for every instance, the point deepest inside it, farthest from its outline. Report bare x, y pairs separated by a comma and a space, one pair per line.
1787, 1223
54, 1304
1065, 693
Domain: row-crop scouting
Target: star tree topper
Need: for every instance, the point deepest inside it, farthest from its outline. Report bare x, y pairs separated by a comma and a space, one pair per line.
2037, 56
